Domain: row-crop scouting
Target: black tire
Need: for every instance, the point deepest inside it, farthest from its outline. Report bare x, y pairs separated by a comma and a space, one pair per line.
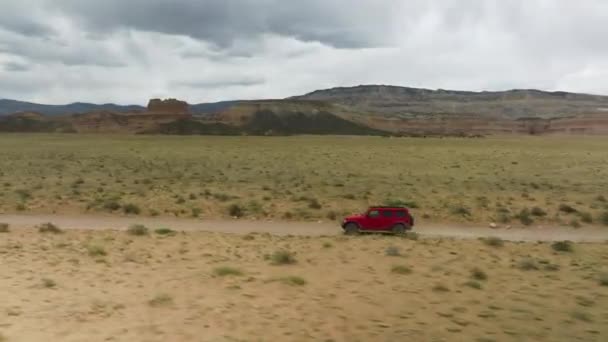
399, 229
351, 229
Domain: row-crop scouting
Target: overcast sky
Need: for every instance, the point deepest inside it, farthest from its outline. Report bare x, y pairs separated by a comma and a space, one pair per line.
126, 51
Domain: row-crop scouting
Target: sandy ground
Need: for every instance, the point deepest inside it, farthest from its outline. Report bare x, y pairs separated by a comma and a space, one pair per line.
96, 222
107, 285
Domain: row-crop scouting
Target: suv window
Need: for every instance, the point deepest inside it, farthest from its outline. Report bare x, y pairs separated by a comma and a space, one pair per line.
400, 213
387, 213
373, 213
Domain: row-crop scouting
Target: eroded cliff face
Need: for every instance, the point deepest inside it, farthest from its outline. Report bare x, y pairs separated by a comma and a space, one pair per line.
591, 124
108, 122
158, 112
595, 124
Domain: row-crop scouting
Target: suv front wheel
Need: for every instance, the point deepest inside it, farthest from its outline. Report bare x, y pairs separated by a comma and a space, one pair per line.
351, 229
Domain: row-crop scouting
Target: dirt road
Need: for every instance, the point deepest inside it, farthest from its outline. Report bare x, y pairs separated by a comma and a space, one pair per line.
300, 228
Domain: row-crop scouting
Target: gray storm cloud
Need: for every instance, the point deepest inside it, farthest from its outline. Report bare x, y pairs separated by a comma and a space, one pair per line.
207, 50
339, 23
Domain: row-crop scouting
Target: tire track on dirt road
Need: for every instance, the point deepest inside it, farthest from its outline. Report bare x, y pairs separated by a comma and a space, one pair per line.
546, 233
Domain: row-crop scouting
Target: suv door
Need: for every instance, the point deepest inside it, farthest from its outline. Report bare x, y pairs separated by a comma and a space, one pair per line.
373, 220
387, 219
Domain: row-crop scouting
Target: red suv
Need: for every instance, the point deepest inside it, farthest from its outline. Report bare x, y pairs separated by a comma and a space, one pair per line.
396, 220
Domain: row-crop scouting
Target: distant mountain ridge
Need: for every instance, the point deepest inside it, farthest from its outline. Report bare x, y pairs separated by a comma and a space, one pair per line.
379, 88
385, 100
8, 107
12, 106
406, 102
360, 110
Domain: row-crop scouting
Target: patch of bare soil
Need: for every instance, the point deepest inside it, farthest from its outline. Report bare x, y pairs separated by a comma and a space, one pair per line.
104, 285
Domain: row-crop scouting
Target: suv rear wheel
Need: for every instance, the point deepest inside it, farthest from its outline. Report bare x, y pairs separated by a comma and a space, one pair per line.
351, 229
399, 229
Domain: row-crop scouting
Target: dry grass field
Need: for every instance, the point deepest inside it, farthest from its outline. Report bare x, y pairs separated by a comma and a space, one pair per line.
141, 285
510, 180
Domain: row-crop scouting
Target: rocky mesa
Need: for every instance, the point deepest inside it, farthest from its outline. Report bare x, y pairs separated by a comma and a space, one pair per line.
172, 106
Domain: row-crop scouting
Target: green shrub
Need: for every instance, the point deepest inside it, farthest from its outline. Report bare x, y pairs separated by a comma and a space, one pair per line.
314, 204
165, 231
503, 218
283, 257
460, 210
482, 201
293, 281
222, 197
563, 246
94, 250
111, 205
440, 288
137, 230
524, 217
48, 283
565, 208
536, 211
473, 284
551, 267
227, 271
131, 208
161, 300
196, 212
235, 210
603, 279
527, 264
503, 210
49, 228
603, 218
575, 224
493, 241
254, 207
23, 194
478, 274
581, 316
4, 228
585, 217
400, 269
